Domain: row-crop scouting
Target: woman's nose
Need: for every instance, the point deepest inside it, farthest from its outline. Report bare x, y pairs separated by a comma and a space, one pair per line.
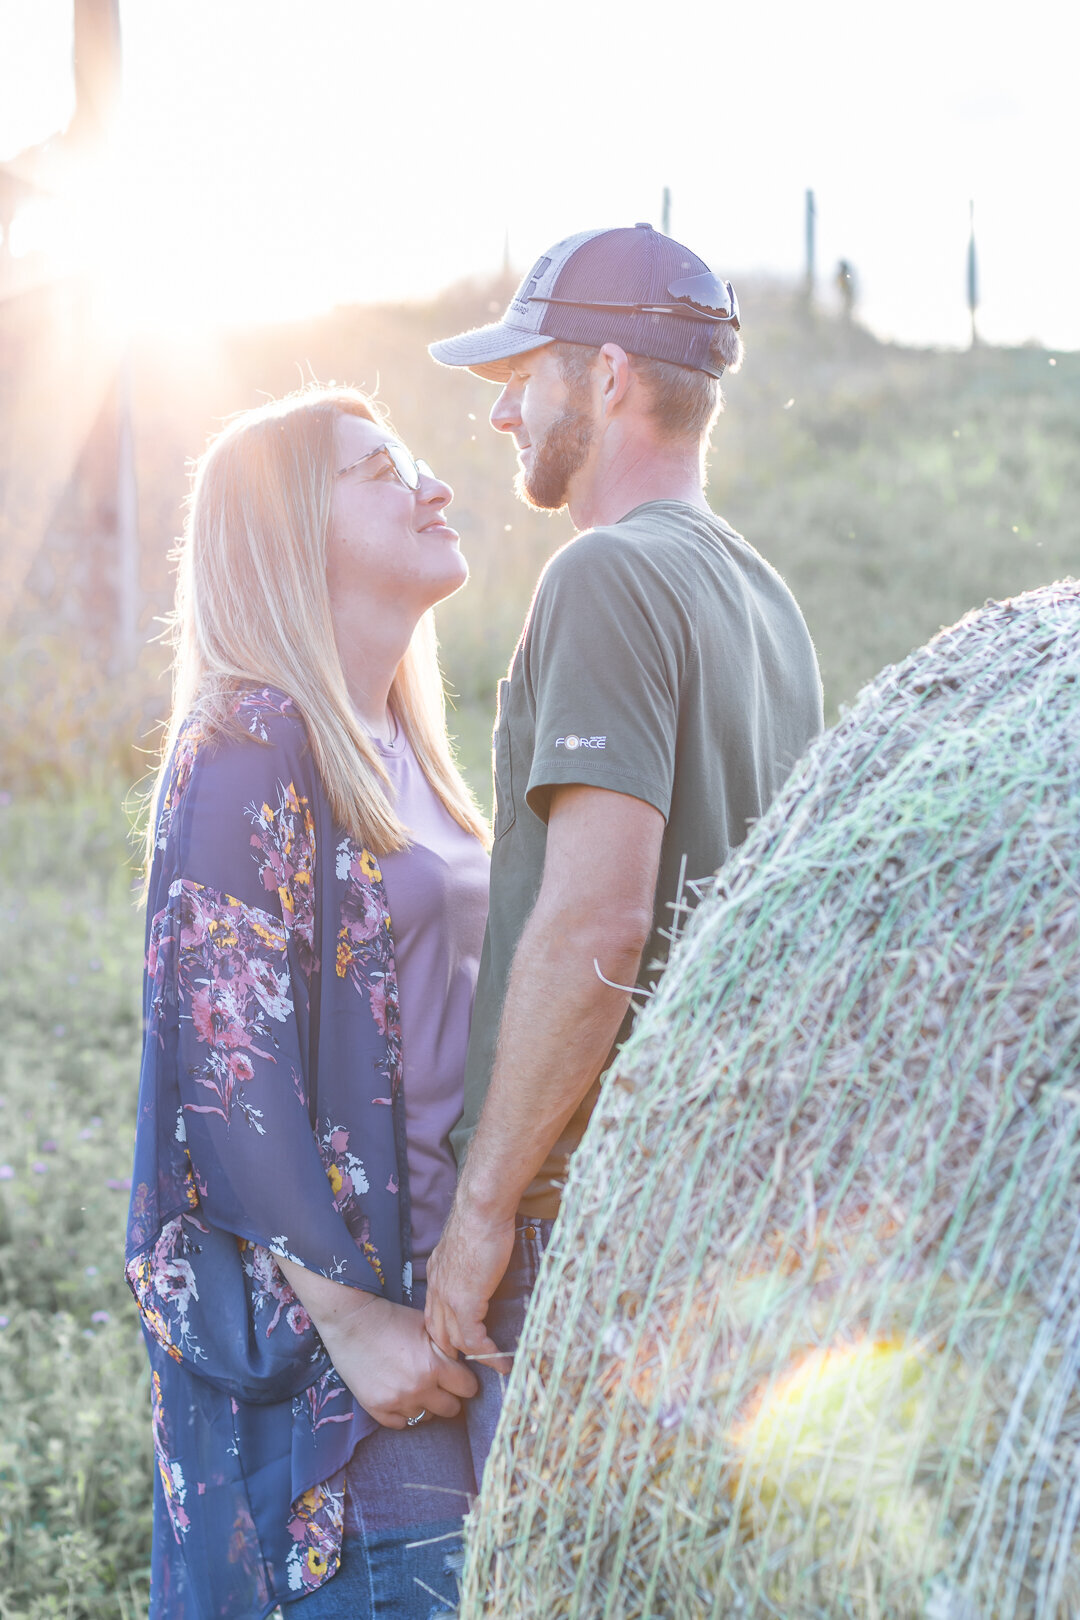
434, 491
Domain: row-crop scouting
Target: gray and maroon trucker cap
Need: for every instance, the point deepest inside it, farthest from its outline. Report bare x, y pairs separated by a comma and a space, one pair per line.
633, 286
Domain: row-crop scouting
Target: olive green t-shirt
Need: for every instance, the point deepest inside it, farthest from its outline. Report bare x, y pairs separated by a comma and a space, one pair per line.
664, 658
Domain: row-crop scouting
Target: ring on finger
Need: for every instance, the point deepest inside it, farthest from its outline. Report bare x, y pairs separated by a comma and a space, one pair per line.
419, 1418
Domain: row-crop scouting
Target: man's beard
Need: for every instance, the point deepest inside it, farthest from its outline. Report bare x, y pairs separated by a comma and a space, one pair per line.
558, 456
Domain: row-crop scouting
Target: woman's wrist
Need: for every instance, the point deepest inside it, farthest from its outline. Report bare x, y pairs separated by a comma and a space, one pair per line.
332, 1306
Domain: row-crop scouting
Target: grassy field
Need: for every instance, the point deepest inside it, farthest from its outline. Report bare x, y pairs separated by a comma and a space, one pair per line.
893, 489
74, 1443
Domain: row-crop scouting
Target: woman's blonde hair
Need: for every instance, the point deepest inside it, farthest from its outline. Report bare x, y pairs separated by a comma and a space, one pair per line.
253, 608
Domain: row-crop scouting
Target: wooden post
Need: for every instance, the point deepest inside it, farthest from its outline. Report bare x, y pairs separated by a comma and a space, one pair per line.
811, 221
972, 276
128, 584
665, 212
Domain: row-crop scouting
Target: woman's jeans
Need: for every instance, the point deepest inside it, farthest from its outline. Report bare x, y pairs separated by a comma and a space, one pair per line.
407, 1490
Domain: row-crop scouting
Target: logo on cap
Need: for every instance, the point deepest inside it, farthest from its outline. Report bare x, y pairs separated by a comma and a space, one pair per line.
521, 299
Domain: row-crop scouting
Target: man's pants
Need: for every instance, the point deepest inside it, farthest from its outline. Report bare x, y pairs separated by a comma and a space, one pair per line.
505, 1319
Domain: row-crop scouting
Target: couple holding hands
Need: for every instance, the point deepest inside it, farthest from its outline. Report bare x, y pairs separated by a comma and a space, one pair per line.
367, 1059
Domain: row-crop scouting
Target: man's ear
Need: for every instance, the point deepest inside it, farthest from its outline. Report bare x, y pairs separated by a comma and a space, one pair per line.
615, 376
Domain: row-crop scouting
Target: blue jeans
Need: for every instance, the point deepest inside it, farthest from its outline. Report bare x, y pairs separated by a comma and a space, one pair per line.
407, 1490
406, 1493
505, 1319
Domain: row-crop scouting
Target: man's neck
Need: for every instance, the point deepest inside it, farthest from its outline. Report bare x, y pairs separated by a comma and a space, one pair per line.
632, 475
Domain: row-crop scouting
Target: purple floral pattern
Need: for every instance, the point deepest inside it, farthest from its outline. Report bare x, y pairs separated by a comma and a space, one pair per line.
163, 1282
315, 1527
271, 1295
324, 1402
169, 1470
365, 949
283, 842
348, 1182
254, 708
234, 977
183, 764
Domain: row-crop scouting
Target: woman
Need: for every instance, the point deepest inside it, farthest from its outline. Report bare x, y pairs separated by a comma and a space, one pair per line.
317, 895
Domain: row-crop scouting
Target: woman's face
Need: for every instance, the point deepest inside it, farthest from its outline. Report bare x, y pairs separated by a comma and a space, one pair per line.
390, 548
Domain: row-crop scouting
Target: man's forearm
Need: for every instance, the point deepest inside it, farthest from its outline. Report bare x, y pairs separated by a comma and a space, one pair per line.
558, 1025
559, 1022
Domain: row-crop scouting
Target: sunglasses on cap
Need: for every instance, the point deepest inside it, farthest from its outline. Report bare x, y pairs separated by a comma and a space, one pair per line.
705, 297
407, 468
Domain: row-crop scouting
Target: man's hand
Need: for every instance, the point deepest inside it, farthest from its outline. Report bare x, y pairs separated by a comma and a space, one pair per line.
462, 1274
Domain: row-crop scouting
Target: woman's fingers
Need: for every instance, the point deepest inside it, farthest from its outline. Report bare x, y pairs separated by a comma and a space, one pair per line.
433, 1403
442, 1404
456, 1376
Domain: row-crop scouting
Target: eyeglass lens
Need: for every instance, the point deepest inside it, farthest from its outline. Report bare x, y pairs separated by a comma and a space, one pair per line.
408, 469
403, 464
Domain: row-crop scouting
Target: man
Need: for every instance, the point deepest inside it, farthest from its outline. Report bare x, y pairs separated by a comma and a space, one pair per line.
663, 687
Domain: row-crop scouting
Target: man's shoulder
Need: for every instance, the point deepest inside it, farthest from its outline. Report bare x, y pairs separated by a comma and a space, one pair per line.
641, 541
588, 551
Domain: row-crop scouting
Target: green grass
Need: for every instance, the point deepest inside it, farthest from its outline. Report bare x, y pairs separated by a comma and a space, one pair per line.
75, 1457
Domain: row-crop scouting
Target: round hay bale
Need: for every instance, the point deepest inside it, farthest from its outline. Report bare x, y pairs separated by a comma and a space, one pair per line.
807, 1341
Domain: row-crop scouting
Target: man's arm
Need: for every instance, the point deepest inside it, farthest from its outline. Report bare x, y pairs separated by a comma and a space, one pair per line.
559, 1022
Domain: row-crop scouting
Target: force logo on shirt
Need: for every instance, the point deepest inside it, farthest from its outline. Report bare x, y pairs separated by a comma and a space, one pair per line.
572, 741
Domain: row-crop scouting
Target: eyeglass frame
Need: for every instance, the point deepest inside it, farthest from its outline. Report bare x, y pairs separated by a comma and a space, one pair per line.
422, 468
685, 306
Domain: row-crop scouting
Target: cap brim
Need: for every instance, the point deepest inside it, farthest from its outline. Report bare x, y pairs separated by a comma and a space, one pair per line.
487, 349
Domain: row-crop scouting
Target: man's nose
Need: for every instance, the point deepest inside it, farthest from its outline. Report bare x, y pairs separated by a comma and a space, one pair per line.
506, 413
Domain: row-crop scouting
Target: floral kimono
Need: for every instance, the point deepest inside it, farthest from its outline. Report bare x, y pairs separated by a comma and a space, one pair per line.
271, 1122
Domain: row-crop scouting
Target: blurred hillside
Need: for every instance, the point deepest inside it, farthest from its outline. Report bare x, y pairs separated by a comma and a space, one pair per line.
892, 488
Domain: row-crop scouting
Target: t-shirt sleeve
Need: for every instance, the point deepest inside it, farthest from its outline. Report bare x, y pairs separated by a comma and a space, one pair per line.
603, 658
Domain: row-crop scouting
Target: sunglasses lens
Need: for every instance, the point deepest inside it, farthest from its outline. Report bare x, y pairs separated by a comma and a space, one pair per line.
404, 465
424, 470
707, 292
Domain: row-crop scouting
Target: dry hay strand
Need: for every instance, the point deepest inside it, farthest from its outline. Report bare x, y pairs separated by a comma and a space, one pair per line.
807, 1339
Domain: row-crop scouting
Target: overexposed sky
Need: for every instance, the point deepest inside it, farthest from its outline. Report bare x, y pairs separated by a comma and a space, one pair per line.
279, 156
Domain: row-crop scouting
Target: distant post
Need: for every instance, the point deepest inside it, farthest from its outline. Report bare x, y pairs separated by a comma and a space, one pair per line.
665, 212
972, 276
811, 221
127, 523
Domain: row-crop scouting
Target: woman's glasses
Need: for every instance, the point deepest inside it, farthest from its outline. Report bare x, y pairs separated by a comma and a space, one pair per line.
408, 469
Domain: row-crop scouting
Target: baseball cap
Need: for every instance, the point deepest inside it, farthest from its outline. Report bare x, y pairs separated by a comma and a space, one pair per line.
631, 286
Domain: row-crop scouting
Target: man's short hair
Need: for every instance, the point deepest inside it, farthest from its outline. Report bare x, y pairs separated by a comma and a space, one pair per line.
684, 403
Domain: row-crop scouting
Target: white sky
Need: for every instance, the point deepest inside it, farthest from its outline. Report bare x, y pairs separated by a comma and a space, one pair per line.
283, 155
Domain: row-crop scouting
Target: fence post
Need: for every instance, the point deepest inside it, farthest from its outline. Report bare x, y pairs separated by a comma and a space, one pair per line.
811, 221
972, 276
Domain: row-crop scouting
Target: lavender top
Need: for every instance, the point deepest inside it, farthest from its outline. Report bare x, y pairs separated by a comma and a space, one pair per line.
437, 896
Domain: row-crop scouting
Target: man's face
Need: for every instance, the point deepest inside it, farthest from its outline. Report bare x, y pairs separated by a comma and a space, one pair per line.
552, 425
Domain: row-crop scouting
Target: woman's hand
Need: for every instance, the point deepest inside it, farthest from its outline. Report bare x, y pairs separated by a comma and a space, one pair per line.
385, 1356
382, 1351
